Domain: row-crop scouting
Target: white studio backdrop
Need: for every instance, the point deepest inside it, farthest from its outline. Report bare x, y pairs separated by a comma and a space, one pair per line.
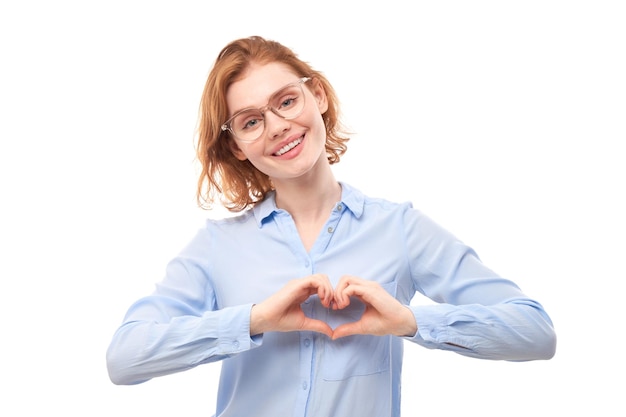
503, 121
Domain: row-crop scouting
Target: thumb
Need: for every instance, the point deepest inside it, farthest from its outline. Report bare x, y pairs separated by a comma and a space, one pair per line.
347, 329
317, 326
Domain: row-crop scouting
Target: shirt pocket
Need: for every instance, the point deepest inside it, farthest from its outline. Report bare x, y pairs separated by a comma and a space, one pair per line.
356, 355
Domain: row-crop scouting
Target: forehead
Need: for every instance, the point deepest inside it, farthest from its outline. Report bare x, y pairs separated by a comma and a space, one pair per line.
259, 82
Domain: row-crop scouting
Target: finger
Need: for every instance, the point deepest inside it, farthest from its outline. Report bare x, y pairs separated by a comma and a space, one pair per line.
324, 290
326, 296
342, 297
347, 329
321, 285
317, 326
311, 285
357, 290
369, 292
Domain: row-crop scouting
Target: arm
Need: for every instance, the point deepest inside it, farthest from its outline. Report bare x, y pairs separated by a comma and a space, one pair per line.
181, 325
177, 328
479, 313
514, 330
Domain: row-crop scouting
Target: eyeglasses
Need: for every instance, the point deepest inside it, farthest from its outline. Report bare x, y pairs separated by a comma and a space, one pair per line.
248, 125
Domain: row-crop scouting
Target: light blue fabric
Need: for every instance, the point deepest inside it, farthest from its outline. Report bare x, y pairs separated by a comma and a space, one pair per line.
200, 311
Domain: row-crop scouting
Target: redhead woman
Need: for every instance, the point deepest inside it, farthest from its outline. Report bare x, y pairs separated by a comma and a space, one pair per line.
304, 294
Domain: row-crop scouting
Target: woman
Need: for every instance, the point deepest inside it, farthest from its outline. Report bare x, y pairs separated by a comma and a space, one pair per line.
305, 294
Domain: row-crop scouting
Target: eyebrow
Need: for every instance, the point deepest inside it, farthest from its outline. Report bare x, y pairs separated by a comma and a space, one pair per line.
267, 101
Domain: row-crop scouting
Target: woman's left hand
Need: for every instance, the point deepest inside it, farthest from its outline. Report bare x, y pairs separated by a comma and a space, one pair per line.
383, 313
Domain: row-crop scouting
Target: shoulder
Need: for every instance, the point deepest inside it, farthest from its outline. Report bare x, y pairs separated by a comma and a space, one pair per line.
362, 204
229, 222
218, 233
355, 194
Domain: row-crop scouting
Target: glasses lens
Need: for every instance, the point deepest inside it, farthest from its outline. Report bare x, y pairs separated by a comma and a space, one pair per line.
288, 102
248, 125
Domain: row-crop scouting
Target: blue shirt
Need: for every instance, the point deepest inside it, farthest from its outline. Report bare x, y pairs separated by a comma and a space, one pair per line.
200, 311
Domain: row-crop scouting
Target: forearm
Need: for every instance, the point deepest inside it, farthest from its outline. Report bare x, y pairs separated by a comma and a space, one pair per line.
144, 349
516, 331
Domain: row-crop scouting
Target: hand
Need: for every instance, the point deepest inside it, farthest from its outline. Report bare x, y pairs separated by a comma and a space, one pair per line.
282, 312
383, 313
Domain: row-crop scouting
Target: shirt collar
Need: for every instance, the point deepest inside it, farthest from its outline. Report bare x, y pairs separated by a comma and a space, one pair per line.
265, 209
351, 198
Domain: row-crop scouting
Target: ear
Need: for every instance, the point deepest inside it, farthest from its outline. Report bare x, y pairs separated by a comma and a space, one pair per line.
237, 152
320, 96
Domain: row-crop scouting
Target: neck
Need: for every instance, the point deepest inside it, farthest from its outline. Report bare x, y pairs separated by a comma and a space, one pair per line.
308, 199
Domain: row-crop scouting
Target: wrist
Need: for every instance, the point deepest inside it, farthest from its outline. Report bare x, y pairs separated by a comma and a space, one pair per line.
409, 324
256, 321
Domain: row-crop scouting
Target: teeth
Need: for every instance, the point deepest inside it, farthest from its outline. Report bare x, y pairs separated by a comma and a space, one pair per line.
288, 147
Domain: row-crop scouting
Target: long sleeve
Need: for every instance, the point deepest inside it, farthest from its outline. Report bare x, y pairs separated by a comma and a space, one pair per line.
479, 313
142, 349
178, 326
515, 330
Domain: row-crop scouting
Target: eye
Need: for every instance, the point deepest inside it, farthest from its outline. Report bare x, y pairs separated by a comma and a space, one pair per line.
286, 98
288, 102
248, 120
251, 124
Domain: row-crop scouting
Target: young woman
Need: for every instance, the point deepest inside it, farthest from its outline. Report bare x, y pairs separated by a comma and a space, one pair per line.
305, 294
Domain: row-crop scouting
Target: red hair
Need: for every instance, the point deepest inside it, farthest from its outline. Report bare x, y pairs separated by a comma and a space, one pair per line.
238, 184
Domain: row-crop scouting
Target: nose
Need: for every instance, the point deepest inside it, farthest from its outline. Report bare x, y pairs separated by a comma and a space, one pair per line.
275, 125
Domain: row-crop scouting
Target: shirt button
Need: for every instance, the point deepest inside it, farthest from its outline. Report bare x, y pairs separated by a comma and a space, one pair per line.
307, 342
339, 207
330, 230
236, 344
305, 385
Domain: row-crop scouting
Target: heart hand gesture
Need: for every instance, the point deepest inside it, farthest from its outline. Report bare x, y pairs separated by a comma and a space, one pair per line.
383, 314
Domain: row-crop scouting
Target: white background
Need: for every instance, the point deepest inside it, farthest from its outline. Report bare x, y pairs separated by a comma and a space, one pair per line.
504, 121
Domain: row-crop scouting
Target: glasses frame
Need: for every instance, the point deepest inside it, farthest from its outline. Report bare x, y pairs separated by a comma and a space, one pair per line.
226, 126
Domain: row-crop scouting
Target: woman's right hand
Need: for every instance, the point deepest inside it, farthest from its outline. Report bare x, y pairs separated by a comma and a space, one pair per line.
282, 312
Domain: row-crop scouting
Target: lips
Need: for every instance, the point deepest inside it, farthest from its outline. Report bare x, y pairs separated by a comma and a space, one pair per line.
288, 147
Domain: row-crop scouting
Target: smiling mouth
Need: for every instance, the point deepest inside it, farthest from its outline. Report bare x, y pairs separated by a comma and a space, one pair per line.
288, 147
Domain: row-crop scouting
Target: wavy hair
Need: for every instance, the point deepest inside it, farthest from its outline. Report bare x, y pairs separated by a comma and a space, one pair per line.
236, 184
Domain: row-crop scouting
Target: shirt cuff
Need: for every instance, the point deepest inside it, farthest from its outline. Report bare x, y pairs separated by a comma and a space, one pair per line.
431, 325
234, 330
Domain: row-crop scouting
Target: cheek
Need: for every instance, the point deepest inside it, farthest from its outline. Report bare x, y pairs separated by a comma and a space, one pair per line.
238, 152
254, 151
321, 126
316, 120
